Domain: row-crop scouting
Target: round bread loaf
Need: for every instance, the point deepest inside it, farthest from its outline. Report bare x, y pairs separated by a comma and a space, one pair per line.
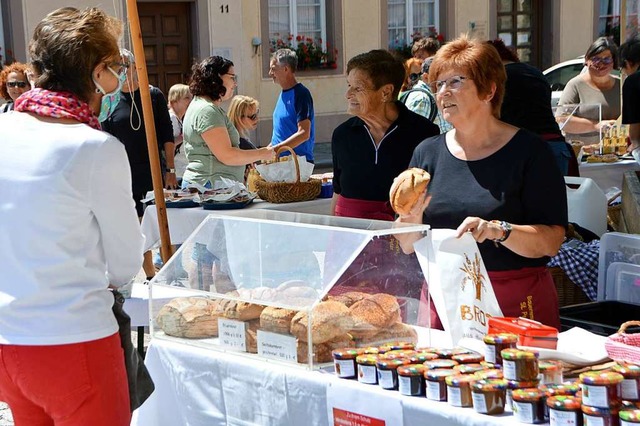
398, 332
349, 298
329, 320
191, 317
374, 313
322, 351
407, 188
277, 320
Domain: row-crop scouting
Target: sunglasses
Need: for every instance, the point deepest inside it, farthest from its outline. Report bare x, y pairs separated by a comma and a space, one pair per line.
414, 76
453, 83
601, 61
252, 116
20, 84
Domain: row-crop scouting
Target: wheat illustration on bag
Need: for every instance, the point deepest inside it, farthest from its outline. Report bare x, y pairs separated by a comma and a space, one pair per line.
474, 274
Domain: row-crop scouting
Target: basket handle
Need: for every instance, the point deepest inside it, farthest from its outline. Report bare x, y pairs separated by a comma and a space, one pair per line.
624, 326
295, 159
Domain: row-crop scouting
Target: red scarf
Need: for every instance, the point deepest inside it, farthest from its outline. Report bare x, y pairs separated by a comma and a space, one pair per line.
47, 103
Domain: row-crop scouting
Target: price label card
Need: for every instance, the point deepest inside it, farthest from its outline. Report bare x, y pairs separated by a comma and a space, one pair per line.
277, 346
232, 334
347, 406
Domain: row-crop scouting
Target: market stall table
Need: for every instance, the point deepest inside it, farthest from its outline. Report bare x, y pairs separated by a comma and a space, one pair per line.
196, 386
607, 175
182, 222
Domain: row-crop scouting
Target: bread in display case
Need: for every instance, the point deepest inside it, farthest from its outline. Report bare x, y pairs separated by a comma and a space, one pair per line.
292, 287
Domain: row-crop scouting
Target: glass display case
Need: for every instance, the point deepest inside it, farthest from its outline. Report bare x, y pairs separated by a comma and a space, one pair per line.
292, 287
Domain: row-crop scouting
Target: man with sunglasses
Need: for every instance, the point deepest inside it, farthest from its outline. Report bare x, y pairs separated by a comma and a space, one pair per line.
13, 83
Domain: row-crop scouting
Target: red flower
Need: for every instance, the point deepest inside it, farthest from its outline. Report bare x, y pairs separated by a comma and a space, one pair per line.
440, 38
299, 38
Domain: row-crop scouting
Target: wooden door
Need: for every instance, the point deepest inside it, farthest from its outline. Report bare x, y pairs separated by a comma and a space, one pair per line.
166, 33
519, 24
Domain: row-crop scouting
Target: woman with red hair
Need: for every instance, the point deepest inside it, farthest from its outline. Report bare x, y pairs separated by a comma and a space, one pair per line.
13, 83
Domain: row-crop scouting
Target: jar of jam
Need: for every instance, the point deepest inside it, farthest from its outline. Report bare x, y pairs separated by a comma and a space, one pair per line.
436, 385
555, 389
399, 353
601, 389
395, 346
372, 350
550, 372
490, 365
426, 349
367, 372
514, 385
468, 368
528, 405
630, 405
411, 379
459, 389
444, 353
630, 418
469, 358
387, 372
344, 362
495, 343
519, 365
493, 373
600, 416
459, 351
489, 396
564, 410
421, 357
440, 363
630, 387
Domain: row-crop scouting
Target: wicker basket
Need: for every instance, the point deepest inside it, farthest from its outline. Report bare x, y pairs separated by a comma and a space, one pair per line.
568, 292
623, 347
288, 192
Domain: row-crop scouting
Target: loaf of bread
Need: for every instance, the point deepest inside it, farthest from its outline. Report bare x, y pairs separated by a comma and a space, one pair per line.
251, 335
322, 351
330, 319
398, 332
407, 188
277, 320
241, 311
349, 298
374, 313
190, 317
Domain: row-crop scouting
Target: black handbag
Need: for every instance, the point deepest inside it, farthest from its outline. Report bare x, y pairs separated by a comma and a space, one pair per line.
140, 383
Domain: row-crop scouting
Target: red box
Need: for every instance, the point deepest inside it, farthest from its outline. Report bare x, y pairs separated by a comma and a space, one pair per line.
530, 333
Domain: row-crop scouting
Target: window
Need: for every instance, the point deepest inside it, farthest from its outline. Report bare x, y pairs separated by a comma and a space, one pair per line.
516, 27
304, 18
609, 19
411, 19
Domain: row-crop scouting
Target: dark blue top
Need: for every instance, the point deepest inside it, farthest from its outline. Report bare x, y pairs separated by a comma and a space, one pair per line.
294, 105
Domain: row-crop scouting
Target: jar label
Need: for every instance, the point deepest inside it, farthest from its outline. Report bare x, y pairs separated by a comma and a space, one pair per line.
563, 418
479, 403
367, 374
345, 367
433, 390
625, 423
490, 353
404, 385
454, 396
509, 369
523, 411
630, 389
508, 401
595, 396
385, 379
593, 421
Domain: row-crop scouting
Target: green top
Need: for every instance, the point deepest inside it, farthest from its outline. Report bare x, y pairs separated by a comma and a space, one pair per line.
203, 166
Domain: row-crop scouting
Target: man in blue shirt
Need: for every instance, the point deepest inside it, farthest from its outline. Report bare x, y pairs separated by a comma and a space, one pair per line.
293, 122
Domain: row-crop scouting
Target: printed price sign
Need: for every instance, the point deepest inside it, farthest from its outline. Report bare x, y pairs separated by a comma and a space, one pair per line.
277, 346
347, 418
232, 334
347, 406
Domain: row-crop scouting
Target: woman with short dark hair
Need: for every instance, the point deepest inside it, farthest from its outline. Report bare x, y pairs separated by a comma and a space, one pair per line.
69, 230
211, 141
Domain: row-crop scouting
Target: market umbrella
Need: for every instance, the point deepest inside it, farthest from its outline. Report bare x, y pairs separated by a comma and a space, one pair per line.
147, 112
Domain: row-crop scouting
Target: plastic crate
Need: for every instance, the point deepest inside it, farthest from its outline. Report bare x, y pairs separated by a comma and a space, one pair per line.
603, 318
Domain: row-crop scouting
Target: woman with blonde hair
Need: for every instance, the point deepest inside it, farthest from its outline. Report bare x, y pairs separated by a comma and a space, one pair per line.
243, 113
179, 99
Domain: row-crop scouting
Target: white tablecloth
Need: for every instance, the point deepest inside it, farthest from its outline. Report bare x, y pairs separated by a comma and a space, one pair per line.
182, 222
195, 386
607, 175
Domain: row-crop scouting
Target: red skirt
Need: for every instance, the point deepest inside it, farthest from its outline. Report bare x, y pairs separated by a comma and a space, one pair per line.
364, 209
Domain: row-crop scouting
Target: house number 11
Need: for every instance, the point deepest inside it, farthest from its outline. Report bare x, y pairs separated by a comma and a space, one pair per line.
224, 8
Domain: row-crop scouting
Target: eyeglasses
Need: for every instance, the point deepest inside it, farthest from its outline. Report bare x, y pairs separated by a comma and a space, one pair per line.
452, 83
601, 61
119, 67
414, 76
252, 116
20, 84
234, 77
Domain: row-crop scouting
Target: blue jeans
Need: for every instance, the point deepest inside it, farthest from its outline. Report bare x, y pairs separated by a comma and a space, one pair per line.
562, 154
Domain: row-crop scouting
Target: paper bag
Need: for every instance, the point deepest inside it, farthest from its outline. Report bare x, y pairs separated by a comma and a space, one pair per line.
458, 283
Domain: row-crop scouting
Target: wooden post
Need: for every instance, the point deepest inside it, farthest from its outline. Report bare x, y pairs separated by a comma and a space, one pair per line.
149, 125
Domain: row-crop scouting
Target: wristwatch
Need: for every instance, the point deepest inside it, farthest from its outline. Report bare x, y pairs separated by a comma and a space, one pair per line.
506, 230
170, 170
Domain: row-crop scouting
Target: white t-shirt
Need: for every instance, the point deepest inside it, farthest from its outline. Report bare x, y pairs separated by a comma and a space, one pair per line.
68, 228
180, 158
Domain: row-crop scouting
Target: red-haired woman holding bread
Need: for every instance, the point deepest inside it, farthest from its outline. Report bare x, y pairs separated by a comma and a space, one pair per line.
492, 179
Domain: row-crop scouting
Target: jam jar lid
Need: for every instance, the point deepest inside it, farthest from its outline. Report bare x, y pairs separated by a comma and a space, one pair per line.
367, 359
440, 363
489, 385
399, 353
599, 412
512, 354
554, 389
564, 402
420, 357
631, 370
459, 351
630, 415
444, 353
394, 346
548, 366
438, 374
601, 378
492, 373
514, 384
372, 350
347, 353
490, 365
391, 364
467, 358
527, 394
457, 380
630, 405
426, 349
411, 370
468, 368
499, 338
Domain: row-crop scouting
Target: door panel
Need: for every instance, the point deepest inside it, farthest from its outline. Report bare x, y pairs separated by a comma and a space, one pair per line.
166, 35
518, 25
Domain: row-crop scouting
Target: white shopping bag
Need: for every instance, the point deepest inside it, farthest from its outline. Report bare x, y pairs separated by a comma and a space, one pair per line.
458, 283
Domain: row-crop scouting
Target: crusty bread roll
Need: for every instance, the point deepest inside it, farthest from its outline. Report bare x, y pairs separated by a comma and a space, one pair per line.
322, 351
329, 320
350, 297
191, 317
376, 312
407, 188
241, 311
398, 332
277, 320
